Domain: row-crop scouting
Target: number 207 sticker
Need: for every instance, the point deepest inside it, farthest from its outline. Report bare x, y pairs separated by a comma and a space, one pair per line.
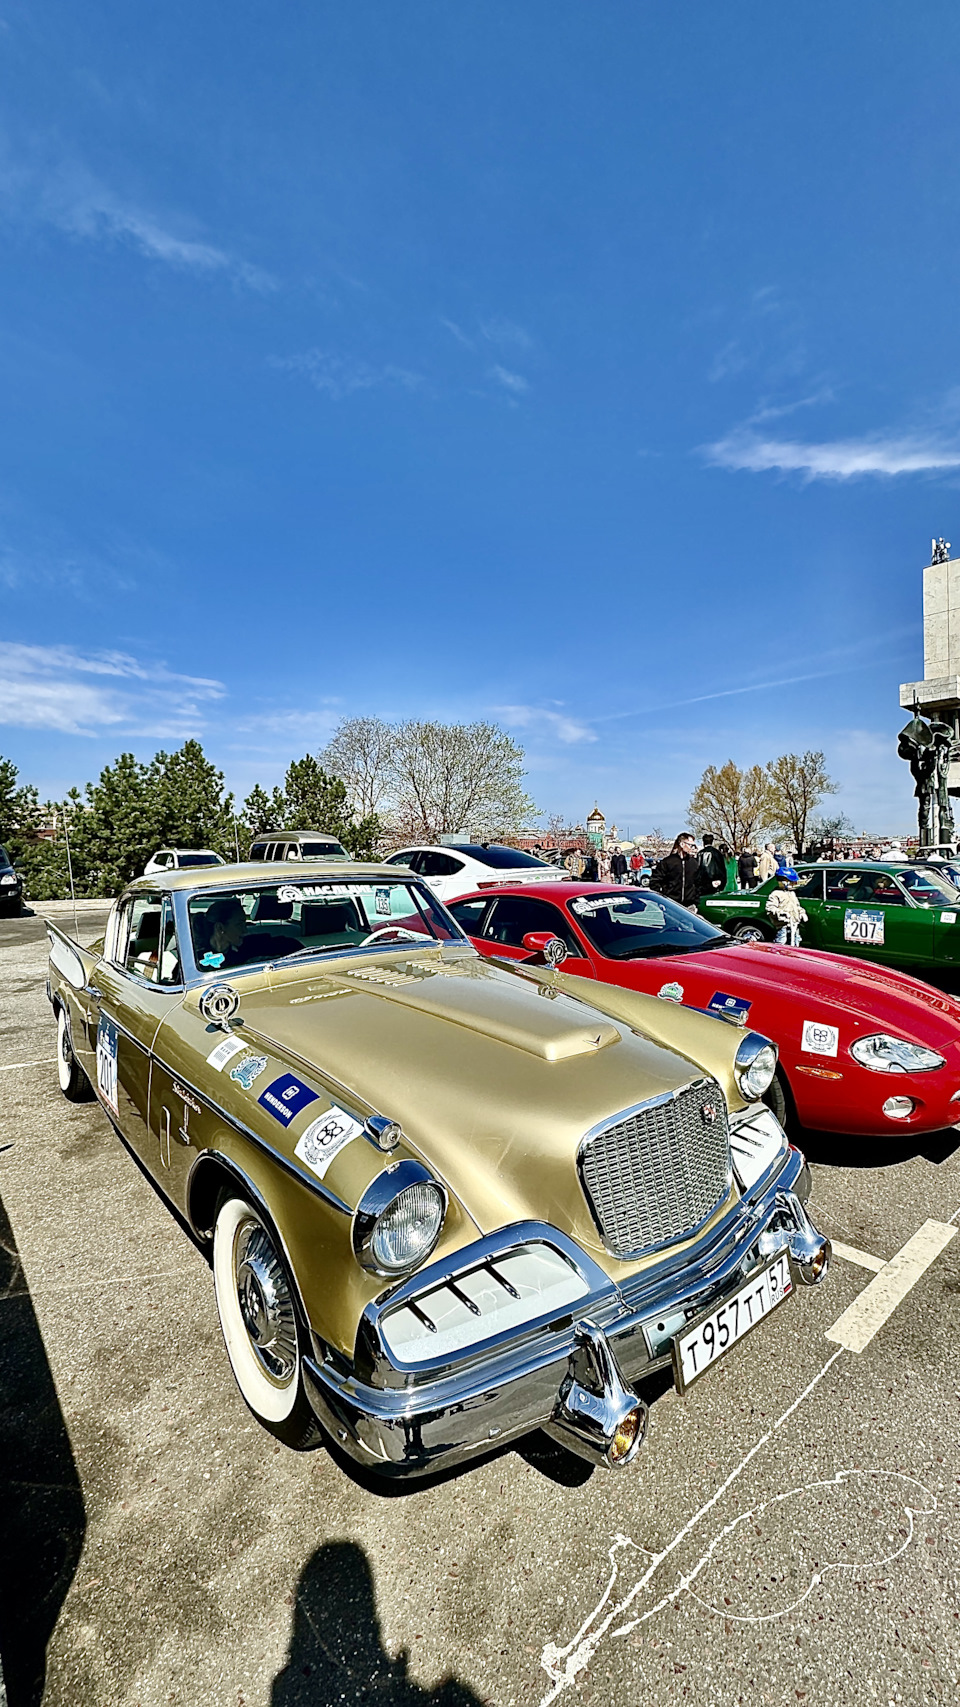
863, 924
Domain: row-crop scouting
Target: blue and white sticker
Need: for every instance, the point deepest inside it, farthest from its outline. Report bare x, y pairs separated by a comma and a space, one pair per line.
863, 924
672, 992
732, 1008
383, 903
325, 1137
248, 1071
285, 1097
225, 1050
107, 1045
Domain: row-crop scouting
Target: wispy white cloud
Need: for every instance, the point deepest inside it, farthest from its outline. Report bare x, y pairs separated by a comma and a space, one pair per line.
506, 333
836, 459
458, 333
312, 726
50, 687
512, 382
70, 198
541, 719
339, 376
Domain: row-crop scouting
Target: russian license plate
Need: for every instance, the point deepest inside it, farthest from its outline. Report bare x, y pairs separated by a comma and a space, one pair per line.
698, 1347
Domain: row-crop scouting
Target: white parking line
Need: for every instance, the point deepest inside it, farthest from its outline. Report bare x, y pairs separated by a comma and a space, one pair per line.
15, 1066
863, 1259
877, 1302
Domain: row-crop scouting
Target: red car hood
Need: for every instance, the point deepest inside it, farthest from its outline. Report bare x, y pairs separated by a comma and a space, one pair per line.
871, 993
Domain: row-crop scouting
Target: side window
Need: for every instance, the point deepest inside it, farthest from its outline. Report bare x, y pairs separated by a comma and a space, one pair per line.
170, 972
414, 861
515, 915
842, 884
258, 851
439, 865
293, 850
810, 887
469, 915
142, 950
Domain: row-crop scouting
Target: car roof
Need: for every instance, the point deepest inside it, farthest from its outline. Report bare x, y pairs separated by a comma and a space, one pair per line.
259, 871
556, 890
294, 835
890, 865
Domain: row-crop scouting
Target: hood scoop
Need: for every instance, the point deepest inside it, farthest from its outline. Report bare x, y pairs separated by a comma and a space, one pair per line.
485, 1000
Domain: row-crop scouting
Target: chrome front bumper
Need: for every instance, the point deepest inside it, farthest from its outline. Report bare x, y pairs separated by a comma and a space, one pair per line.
413, 1421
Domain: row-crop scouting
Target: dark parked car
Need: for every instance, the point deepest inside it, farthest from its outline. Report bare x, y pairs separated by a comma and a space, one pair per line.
11, 885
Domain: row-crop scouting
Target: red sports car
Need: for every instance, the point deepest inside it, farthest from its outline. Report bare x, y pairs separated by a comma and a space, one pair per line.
862, 1048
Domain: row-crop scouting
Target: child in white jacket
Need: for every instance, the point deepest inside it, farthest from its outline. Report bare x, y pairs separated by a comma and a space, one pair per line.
785, 909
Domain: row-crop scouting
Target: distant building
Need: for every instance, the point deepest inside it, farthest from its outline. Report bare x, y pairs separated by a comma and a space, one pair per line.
596, 828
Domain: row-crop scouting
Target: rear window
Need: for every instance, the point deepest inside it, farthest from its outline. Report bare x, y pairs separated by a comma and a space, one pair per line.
500, 858
200, 859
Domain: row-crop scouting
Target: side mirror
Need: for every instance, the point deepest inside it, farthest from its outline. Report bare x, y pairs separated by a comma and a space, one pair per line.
544, 942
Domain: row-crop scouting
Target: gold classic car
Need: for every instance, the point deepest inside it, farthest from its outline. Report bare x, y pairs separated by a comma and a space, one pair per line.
446, 1201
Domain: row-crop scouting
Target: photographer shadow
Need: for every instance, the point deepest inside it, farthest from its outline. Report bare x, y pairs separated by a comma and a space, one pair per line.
336, 1650
42, 1515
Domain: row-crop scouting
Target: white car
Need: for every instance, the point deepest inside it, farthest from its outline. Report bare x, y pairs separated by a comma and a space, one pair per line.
174, 859
466, 866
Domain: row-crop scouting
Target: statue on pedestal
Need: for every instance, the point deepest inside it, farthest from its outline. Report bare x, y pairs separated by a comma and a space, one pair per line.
939, 551
944, 742
916, 743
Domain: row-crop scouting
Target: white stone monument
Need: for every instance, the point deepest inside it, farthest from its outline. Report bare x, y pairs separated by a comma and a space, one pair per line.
938, 695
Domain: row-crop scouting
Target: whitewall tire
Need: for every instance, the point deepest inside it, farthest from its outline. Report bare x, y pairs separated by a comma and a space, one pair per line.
71, 1077
258, 1318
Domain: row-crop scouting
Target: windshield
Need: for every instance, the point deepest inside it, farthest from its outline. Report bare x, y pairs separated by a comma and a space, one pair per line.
322, 850
927, 887
200, 859
631, 924
500, 858
247, 927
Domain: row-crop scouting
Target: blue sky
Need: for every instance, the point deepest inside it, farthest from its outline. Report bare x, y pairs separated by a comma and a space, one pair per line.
590, 368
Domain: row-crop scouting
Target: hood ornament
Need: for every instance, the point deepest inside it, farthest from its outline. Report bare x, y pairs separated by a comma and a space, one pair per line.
218, 1004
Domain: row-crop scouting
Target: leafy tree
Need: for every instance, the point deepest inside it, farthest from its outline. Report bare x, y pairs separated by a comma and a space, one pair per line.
734, 805
115, 833
797, 784
458, 776
310, 799
20, 811
258, 814
189, 808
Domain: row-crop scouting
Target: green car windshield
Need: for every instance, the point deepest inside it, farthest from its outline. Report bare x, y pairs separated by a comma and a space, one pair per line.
635, 924
929, 888
248, 927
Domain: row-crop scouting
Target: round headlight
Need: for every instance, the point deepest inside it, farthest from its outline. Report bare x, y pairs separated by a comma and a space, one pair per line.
407, 1232
754, 1066
885, 1054
398, 1219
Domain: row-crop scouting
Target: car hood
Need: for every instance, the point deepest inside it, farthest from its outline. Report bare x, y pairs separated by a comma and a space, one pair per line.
493, 1079
867, 993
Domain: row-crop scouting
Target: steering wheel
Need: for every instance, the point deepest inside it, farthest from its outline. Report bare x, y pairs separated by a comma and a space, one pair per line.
393, 930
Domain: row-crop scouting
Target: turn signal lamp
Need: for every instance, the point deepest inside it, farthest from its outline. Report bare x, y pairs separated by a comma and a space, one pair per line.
628, 1436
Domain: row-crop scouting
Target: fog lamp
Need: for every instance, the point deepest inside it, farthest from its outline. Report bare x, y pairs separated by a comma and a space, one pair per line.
629, 1433
899, 1108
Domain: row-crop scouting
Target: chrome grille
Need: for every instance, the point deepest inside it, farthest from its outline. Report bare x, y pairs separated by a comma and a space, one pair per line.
655, 1174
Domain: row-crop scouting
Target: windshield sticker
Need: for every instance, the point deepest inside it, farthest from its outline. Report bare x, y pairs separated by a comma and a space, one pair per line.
863, 924
819, 1039
210, 959
325, 1138
246, 1072
383, 902
285, 1097
319, 891
585, 905
729, 1007
107, 1039
671, 992
226, 1049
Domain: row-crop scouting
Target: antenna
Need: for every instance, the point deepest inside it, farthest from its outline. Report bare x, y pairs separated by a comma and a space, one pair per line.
73, 897
236, 839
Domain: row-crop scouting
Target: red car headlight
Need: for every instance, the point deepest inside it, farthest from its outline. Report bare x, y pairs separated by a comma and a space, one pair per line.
885, 1054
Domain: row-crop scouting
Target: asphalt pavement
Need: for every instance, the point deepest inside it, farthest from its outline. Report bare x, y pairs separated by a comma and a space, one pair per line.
790, 1533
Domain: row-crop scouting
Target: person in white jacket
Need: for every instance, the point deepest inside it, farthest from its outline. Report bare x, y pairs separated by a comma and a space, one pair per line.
766, 864
785, 909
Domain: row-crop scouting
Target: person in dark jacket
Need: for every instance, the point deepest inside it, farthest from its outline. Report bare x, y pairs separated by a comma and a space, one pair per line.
619, 867
678, 876
713, 867
747, 869
590, 872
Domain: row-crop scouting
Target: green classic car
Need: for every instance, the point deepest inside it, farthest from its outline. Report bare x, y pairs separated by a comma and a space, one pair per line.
445, 1201
902, 915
